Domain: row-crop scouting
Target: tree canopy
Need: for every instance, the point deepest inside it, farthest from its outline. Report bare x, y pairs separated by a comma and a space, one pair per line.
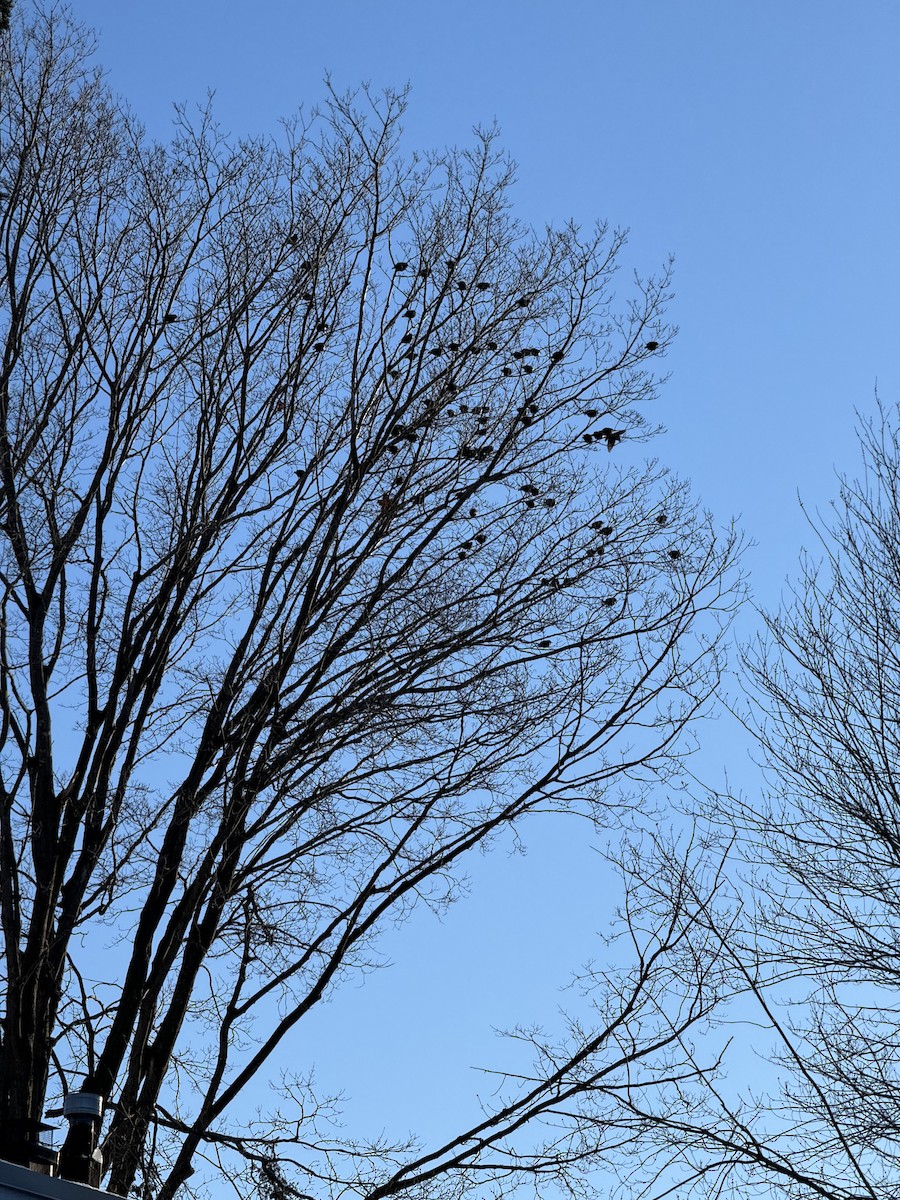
326, 554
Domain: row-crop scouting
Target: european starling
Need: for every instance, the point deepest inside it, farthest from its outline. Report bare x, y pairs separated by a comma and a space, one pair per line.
529, 503
480, 538
481, 286
530, 489
461, 554
518, 354
451, 412
464, 408
612, 436
409, 313
320, 346
549, 502
528, 368
609, 601
468, 545
308, 297
322, 327
306, 265
533, 408
674, 555
406, 339
662, 519
462, 285
435, 351
544, 644
170, 318
292, 240
651, 346
424, 273
473, 512
592, 412
531, 352
588, 437
557, 356
606, 530
451, 264
394, 448
400, 266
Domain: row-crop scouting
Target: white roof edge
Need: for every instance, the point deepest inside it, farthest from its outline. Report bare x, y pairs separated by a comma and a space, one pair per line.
16, 1183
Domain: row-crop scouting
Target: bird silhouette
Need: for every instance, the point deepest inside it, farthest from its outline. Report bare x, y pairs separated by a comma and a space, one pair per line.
406, 339
588, 437
651, 346
531, 352
611, 436
453, 345
492, 346
522, 302
451, 264
322, 327
507, 371
436, 351
528, 368
401, 266
424, 272
481, 286
592, 412
481, 538
674, 555
662, 519
320, 346
557, 356
518, 354
544, 643
473, 512
170, 318
409, 313
549, 502
609, 601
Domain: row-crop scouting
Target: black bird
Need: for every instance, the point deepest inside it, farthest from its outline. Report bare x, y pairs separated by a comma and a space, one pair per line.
409, 313
531, 352
406, 339
544, 644
557, 356
592, 412
529, 503
467, 545
451, 264
662, 519
461, 554
453, 345
609, 601
674, 555
606, 530
480, 538
651, 346
518, 354
588, 437
492, 346
308, 297
612, 436
306, 265
481, 286
507, 371
549, 502
464, 408
401, 266
473, 512
528, 368
424, 273
451, 412
435, 351
322, 327
522, 302
292, 240
170, 318
530, 489
320, 346
533, 408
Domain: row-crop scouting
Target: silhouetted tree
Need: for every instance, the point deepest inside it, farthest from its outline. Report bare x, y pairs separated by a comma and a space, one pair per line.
303, 599
812, 929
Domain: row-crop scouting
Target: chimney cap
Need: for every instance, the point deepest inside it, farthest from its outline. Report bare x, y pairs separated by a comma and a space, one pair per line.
83, 1104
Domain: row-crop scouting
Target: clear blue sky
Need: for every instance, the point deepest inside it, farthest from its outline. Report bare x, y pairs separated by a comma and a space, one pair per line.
757, 142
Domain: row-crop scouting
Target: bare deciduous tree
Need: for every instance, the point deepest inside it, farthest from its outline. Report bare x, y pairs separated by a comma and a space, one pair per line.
813, 932
319, 568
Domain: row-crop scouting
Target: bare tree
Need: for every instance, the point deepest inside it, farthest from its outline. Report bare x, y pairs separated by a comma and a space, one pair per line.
319, 569
811, 929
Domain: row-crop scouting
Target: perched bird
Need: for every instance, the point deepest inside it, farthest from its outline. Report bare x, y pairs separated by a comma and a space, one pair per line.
662, 519
451, 264
453, 345
592, 412
651, 346
544, 643
557, 356
518, 354
492, 346
424, 272
451, 412
401, 266
588, 437
473, 512
549, 502
322, 327
533, 408
406, 339
308, 297
523, 302
292, 240
507, 371
674, 555
529, 503
462, 285
468, 545
481, 286
530, 489
531, 352
306, 265
435, 351
170, 318
384, 503
409, 313
609, 601
480, 538
320, 346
